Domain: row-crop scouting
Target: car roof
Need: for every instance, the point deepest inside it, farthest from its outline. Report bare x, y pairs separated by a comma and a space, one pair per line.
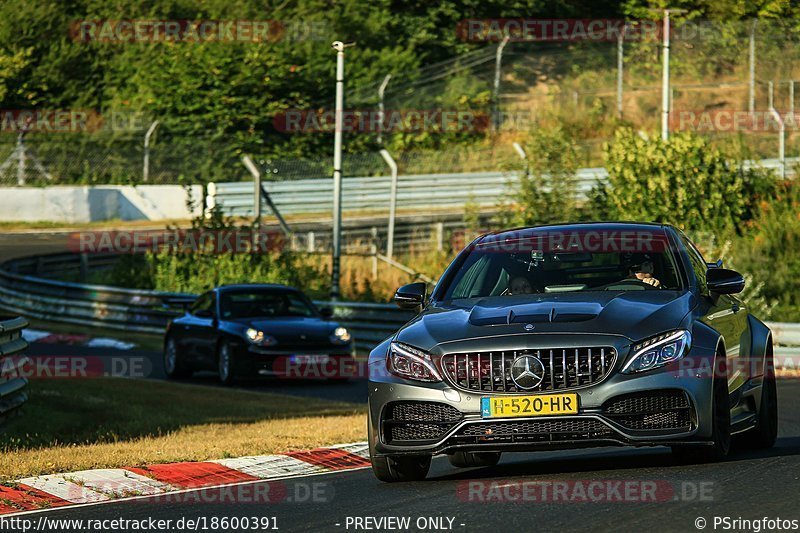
236, 287
522, 232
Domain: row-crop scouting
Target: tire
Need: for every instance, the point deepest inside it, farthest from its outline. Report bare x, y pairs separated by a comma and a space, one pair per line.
391, 469
721, 429
474, 459
174, 364
226, 364
765, 433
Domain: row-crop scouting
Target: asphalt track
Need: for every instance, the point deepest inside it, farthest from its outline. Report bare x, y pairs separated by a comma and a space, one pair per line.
749, 485
148, 364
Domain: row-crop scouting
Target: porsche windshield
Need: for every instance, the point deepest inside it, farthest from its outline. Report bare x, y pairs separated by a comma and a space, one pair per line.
498, 269
266, 304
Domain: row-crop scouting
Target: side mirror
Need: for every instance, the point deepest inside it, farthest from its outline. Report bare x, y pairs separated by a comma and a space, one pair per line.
326, 312
724, 281
411, 296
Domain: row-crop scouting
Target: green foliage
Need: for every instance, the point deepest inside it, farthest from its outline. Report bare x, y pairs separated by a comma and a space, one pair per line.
768, 252
684, 181
547, 189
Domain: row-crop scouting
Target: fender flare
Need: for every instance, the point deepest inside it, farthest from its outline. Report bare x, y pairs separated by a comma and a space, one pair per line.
760, 341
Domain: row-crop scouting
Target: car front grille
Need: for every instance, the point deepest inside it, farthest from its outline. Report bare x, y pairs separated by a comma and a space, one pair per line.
651, 410
418, 421
562, 368
537, 430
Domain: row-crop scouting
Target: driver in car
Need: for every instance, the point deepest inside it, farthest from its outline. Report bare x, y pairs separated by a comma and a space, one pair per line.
644, 273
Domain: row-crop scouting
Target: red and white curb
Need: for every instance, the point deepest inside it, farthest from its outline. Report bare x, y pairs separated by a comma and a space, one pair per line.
115, 484
74, 339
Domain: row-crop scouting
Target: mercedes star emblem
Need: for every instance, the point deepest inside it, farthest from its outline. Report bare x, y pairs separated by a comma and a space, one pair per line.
527, 372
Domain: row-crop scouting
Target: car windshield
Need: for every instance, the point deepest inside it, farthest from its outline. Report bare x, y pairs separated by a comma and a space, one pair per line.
264, 303
547, 264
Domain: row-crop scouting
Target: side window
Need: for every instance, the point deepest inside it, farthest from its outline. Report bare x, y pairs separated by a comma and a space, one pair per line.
204, 306
697, 262
472, 280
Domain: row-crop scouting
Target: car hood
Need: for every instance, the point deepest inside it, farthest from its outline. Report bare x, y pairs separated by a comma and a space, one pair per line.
632, 314
285, 329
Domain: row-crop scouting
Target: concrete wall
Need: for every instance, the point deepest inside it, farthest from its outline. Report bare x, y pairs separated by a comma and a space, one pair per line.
73, 204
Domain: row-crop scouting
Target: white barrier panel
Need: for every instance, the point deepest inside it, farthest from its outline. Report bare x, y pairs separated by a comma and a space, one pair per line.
79, 204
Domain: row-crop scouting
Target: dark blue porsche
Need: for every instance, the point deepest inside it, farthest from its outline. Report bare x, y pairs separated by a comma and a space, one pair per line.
254, 330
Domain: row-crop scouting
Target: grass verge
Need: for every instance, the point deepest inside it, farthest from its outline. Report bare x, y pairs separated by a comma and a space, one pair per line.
75, 425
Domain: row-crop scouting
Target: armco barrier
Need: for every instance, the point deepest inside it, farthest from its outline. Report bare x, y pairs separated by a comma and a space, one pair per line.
12, 382
148, 311
414, 191
144, 311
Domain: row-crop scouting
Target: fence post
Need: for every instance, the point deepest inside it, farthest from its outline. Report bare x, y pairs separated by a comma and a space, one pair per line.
781, 140
146, 162
620, 60
381, 92
498, 63
752, 67
392, 202
439, 236
374, 251
791, 97
311, 242
771, 95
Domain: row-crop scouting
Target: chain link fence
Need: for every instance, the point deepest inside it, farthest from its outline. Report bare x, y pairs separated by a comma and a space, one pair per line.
717, 70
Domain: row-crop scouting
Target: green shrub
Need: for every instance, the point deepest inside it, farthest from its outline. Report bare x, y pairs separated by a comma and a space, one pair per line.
684, 181
547, 188
768, 252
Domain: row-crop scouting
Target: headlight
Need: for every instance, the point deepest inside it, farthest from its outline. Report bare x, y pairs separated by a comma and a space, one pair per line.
340, 336
658, 351
259, 338
411, 363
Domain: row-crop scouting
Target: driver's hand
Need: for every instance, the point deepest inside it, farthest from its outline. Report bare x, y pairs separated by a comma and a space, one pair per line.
651, 281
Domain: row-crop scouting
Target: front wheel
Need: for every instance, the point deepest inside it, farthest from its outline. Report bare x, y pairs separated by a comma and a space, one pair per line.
765, 433
721, 429
174, 364
226, 364
401, 468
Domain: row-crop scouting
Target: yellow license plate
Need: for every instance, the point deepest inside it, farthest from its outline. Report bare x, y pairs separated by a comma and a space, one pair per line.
540, 405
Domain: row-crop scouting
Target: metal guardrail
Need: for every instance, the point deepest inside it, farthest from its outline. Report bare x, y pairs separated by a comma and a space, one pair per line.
415, 191
12, 380
372, 193
144, 311
149, 311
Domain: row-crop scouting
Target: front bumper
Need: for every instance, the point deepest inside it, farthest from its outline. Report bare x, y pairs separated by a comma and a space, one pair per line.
327, 362
593, 426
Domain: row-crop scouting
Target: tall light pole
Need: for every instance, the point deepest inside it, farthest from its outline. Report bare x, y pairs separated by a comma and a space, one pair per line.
665, 74
339, 46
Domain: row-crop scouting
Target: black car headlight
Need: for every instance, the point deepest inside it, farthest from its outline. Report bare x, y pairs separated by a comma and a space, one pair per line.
658, 351
340, 336
259, 338
411, 363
